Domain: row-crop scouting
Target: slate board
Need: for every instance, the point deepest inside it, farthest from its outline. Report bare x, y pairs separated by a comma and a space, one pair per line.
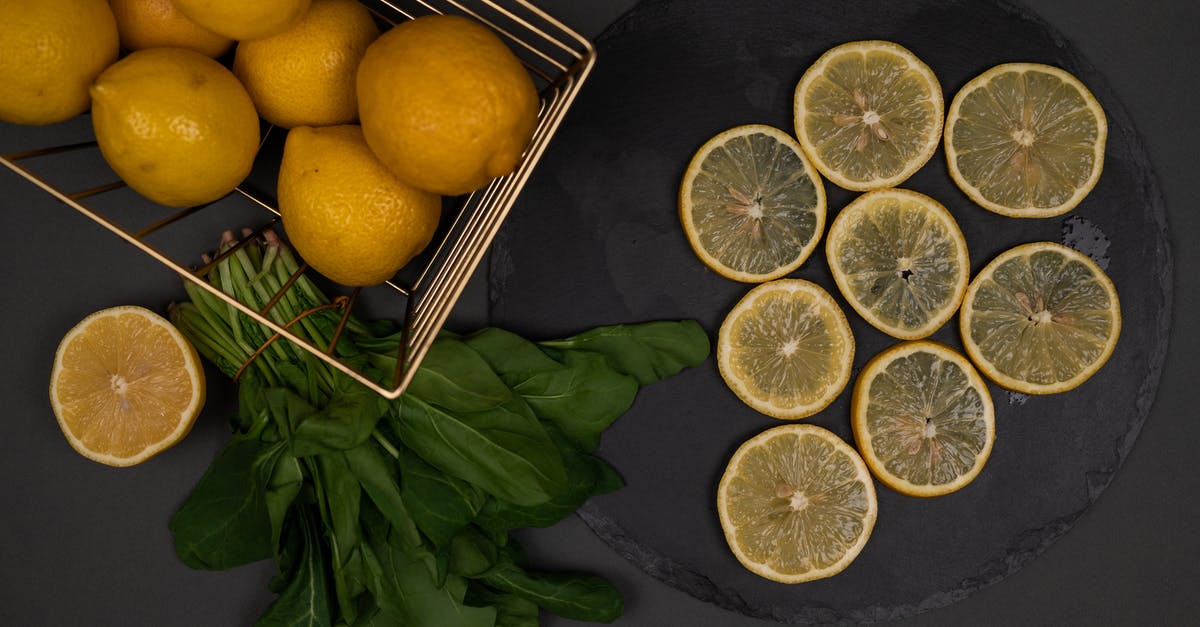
595, 239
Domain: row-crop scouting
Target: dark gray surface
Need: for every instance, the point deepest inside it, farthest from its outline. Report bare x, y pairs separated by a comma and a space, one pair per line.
88, 545
602, 208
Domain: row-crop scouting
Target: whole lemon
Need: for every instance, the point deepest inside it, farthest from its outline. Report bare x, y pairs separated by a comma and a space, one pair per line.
157, 23
50, 50
244, 19
304, 76
346, 215
175, 125
445, 103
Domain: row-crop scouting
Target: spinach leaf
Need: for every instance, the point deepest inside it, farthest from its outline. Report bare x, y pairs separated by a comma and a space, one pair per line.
402, 582
504, 451
580, 392
302, 583
587, 476
378, 479
579, 596
649, 351
456, 378
340, 508
225, 521
472, 554
346, 420
440, 504
285, 482
511, 610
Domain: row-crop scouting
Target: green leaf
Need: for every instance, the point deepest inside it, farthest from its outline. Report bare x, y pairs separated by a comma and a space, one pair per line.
404, 587
578, 596
649, 351
455, 378
472, 554
345, 422
440, 504
286, 480
583, 394
511, 610
302, 584
504, 451
587, 476
342, 502
377, 477
225, 520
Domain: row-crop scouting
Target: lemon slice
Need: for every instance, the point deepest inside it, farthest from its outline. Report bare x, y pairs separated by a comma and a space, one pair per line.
923, 419
796, 504
751, 205
869, 114
1041, 318
786, 349
1025, 140
900, 260
125, 385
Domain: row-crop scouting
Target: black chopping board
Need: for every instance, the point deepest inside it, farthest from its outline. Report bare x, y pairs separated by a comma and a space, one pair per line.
595, 239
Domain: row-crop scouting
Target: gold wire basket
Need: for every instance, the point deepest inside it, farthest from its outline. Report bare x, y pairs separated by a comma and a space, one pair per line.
559, 61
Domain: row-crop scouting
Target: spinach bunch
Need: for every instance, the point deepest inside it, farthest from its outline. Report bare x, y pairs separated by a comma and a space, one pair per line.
400, 512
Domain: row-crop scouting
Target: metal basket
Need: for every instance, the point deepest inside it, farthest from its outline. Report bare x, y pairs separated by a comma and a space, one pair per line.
559, 61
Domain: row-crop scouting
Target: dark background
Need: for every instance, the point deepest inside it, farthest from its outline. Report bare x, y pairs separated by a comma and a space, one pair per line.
83, 544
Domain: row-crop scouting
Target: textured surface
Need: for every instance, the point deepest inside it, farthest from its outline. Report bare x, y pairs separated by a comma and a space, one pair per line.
602, 209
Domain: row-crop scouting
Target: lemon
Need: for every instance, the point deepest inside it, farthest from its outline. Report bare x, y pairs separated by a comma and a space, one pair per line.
1025, 140
347, 216
50, 51
869, 114
786, 349
244, 19
796, 504
900, 260
923, 419
125, 386
445, 104
1040, 318
157, 23
304, 76
175, 125
751, 205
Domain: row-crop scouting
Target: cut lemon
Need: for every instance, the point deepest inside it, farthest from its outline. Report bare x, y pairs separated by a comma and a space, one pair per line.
751, 205
869, 114
923, 419
1025, 140
796, 504
125, 386
1041, 318
786, 349
900, 260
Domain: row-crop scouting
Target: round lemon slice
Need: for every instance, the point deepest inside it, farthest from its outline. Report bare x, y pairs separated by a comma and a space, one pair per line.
125, 385
796, 504
869, 114
786, 349
1025, 140
752, 206
923, 419
900, 260
1041, 318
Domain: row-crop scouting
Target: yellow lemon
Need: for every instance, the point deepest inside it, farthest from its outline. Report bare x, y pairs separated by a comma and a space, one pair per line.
869, 114
796, 504
445, 104
1041, 318
244, 19
347, 216
751, 206
157, 23
923, 419
125, 385
1026, 140
304, 76
175, 125
50, 51
786, 349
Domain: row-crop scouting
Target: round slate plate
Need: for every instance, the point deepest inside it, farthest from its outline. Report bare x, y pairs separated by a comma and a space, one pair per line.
595, 239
